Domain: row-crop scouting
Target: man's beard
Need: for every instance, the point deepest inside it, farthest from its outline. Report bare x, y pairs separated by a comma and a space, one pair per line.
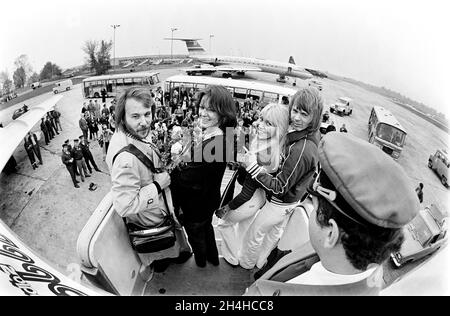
135, 133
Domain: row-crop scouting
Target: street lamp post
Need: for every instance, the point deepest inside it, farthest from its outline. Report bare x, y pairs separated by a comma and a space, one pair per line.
171, 43
114, 43
210, 36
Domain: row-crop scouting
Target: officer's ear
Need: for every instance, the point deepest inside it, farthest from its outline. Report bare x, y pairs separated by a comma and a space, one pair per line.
332, 235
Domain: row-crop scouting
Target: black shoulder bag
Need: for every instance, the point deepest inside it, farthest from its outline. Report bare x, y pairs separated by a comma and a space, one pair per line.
156, 238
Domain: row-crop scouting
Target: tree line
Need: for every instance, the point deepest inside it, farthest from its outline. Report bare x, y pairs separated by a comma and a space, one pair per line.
25, 75
97, 58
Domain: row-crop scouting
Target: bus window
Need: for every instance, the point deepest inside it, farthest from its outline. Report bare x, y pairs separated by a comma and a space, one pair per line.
390, 134
200, 86
271, 97
167, 87
255, 94
398, 138
385, 132
120, 82
138, 81
109, 85
86, 89
372, 117
240, 93
189, 86
128, 81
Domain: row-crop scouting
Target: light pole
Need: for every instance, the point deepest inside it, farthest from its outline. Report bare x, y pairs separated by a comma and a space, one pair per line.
171, 43
210, 36
114, 43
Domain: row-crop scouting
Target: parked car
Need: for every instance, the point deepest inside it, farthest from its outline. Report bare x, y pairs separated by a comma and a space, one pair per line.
424, 235
9, 96
439, 163
315, 83
35, 85
343, 106
20, 111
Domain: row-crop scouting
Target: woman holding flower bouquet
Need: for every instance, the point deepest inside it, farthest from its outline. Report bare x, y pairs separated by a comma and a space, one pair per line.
196, 184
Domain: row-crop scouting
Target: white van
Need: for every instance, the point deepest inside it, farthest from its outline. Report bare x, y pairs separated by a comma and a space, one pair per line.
62, 85
35, 85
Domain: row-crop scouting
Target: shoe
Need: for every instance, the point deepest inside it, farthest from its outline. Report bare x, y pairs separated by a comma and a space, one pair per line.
214, 261
160, 266
98, 170
88, 175
76, 186
200, 261
183, 257
76, 181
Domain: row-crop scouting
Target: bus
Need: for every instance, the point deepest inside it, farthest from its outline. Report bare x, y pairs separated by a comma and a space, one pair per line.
114, 84
240, 89
386, 132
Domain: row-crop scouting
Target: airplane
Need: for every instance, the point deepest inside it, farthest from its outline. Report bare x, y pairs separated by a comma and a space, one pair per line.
128, 64
239, 65
143, 62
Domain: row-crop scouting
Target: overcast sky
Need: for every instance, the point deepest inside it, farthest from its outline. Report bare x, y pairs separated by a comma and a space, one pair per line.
401, 45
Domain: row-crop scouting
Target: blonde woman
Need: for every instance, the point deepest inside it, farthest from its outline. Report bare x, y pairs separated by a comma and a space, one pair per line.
237, 215
286, 188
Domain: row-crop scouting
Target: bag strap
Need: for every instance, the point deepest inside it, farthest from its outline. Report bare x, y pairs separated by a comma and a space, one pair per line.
130, 148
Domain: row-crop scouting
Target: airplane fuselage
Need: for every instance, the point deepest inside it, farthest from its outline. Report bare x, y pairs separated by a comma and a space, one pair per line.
270, 66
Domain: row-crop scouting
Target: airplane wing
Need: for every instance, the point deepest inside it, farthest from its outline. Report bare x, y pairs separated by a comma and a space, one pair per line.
236, 68
24, 273
12, 134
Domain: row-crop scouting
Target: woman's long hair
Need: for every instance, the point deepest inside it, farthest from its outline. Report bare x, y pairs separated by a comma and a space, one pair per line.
268, 151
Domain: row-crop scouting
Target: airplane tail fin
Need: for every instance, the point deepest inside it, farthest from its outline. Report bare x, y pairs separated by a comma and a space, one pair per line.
192, 45
291, 60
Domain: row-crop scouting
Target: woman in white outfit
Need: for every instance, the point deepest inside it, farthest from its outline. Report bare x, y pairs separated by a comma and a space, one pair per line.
286, 188
237, 215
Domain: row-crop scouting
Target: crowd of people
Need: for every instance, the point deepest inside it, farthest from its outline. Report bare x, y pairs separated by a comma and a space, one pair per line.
78, 158
50, 126
285, 164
